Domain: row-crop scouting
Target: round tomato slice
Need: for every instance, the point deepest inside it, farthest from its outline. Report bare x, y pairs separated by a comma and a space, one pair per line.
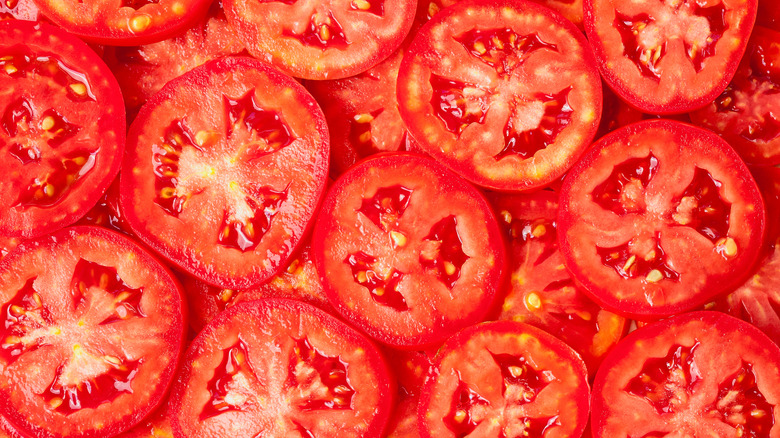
91, 334
658, 218
326, 39
281, 368
143, 70
747, 113
541, 291
62, 128
123, 22
225, 167
299, 280
700, 374
507, 94
505, 379
408, 252
667, 57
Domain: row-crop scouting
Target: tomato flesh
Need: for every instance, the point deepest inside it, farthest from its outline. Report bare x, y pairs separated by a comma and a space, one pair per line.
506, 95
238, 154
276, 367
25, 10
68, 375
61, 124
702, 372
504, 379
648, 49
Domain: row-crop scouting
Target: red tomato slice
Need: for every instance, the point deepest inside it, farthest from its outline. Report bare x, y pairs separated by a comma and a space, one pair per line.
747, 113
277, 368
769, 14
157, 425
505, 379
571, 9
668, 57
658, 218
403, 423
696, 375
93, 327
299, 280
25, 10
327, 39
8, 431
124, 22
143, 70
541, 292
62, 129
225, 167
408, 252
507, 94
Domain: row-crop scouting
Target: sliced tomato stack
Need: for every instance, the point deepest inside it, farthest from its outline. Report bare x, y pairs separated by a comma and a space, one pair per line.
91, 334
541, 291
505, 93
239, 157
747, 113
653, 52
281, 368
62, 128
658, 218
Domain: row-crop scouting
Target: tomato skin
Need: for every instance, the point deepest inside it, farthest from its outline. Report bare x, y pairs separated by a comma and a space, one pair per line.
654, 208
284, 319
642, 92
344, 232
89, 242
717, 344
202, 253
76, 119
470, 358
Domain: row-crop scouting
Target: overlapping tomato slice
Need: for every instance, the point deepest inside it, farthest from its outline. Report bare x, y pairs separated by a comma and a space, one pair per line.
506, 95
541, 292
408, 252
658, 218
281, 368
702, 372
62, 128
225, 169
667, 57
91, 333
25, 10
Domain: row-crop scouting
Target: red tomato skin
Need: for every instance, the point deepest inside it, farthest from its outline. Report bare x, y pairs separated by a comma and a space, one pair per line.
723, 283
636, 99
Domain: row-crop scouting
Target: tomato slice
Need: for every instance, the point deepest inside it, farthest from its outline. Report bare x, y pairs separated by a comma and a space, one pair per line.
695, 375
62, 128
747, 113
403, 423
327, 39
571, 9
408, 252
225, 167
24, 10
658, 218
542, 293
768, 14
93, 327
123, 22
506, 94
299, 280
157, 425
667, 57
273, 368
143, 70
505, 379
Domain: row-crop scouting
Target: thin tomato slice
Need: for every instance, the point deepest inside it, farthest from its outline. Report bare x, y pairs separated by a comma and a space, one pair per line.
696, 375
507, 94
408, 252
505, 379
747, 113
668, 57
123, 22
225, 167
62, 128
326, 39
91, 334
24, 10
658, 218
280, 368
541, 291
